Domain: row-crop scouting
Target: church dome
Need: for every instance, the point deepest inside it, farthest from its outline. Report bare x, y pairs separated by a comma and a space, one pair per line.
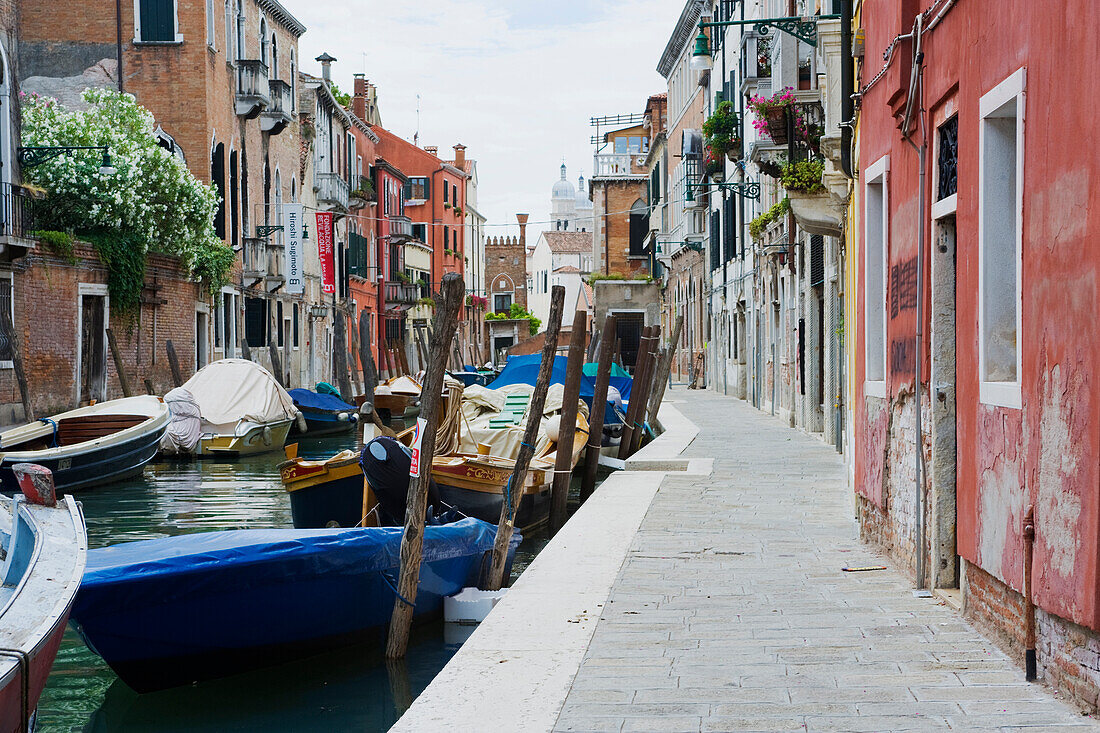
563, 189
582, 195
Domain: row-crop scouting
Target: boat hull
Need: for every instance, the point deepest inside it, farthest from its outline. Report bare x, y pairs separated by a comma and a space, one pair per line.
321, 422
159, 630
326, 495
251, 442
84, 469
534, 506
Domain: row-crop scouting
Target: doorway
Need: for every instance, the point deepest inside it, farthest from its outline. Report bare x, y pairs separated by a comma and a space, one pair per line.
91, 377
628, 330
202, 333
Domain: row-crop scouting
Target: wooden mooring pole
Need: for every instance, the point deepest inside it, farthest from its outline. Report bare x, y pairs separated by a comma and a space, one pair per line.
646, 389
370, 375
276, 363
664, 368
599, 406
120, 368
340, 355
563, 461
634, 405
514, 490
174, 363
450, 299
7, 327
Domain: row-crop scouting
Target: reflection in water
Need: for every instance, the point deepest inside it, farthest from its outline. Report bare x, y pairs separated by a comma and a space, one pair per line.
349, 689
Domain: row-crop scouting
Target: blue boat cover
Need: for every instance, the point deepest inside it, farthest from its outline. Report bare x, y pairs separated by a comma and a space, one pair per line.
309, 398
525, 370
251, 555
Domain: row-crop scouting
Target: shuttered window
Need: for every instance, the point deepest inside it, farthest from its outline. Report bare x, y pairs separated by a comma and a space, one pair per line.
715, 241
729, 230
157, 20
817, 260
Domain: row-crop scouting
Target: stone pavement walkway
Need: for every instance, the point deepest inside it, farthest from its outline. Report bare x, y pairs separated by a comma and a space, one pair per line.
731, 612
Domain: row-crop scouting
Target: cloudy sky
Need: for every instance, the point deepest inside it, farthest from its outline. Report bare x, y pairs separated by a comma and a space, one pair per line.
516, 81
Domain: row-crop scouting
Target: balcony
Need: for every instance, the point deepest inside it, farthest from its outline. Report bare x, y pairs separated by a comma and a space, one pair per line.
756, 63
254, 259
253, 92
400, 229
332, 190
618, 164
17, 206
399, 292
274, 276
277, 115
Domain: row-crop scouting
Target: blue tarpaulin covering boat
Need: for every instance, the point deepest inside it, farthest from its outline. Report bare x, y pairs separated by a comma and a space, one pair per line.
525, 370
325, 414
170, 611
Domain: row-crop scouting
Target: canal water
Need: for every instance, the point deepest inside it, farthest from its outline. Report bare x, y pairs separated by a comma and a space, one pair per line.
349, 689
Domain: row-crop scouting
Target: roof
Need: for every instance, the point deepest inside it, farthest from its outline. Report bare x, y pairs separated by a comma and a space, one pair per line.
681, 36
569, 242
567, 269
468, 166
277, 11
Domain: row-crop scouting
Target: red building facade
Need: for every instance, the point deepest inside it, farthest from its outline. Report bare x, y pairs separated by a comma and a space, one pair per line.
978, 283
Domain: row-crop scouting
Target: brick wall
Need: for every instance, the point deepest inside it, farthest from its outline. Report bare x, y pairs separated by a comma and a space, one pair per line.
506, 269
611, 202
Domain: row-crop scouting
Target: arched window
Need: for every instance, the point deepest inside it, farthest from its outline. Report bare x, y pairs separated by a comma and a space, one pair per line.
639, 228
274, 57
217, 176
228, 31
263, 41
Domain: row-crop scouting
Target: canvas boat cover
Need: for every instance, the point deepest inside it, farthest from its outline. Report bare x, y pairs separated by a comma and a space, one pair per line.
185, 424
228, 391
481, 404
211, 562
525, 370
309, 398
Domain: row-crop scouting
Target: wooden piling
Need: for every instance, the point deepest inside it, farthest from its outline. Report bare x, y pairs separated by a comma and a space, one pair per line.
7, 328
646, 389
276, 363
357, 368
370, 375
660, 381
563, 461
599, 406
636, 410
246, 350
340, 355
120, 368
174, 363
149, 388
514, 492
403, 357
448, 302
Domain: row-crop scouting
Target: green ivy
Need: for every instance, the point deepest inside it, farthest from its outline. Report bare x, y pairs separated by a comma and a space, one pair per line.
804, 176
123, 254
60, 243
515, 313
760, 223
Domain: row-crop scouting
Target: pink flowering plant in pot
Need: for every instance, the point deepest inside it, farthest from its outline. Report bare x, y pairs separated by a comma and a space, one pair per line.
771, 118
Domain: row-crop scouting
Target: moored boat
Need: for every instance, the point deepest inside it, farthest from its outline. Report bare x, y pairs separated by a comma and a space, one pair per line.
325, 414
243, 409
87, 446
170, 611
326, 493
45, 548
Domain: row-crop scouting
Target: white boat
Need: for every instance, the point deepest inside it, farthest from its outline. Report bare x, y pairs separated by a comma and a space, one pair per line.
87, 446
44, 550
242, 409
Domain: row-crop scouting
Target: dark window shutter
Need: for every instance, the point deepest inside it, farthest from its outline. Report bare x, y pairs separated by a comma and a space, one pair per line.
817, 260
427, 188
158, 20
729, 230
407, 190
715, 241
639, 228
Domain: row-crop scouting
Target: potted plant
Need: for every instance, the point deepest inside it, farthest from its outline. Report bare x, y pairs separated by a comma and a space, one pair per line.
771, 114
804, 176
711, 165
722, 133
446, 205
816, 210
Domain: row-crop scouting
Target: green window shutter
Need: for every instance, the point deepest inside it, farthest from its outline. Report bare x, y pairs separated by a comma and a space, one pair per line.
407, 190
427, 188
158, 21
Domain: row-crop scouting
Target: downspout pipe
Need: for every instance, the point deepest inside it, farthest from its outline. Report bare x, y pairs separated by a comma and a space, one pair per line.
118, 42
847, 79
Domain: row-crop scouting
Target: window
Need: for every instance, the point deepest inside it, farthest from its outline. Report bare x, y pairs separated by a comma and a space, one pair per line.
420, 232
263, 41
454, 194
228, 31
239, 45
293, 84
294, 327
639, 228
1000, 215
446, 199
210, 23
255, 322
156, 21
876, 249
7, 311
274, 57
417, 189
632, 144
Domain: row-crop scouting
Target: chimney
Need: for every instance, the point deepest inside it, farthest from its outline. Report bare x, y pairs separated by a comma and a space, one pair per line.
522, 219
431, 149
359, 97
460, 157
326, 62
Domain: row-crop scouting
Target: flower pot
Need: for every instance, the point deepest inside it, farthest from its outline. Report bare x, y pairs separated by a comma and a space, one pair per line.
777, 125
733, 153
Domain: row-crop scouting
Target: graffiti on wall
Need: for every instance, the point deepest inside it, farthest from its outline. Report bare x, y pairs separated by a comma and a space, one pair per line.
903, 287
903, 356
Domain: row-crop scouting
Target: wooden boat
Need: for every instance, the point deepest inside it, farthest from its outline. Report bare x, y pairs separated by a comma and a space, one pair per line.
324, 414
45, 548
326, 493
243, 409
87, 446
170, 611
475, 484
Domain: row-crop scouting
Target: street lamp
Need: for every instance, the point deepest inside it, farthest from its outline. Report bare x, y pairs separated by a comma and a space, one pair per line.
700, 57
33, 155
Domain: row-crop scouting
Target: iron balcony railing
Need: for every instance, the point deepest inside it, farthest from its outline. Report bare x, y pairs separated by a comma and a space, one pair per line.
277, 115
399, 292
253, 92
331, 189
17, 211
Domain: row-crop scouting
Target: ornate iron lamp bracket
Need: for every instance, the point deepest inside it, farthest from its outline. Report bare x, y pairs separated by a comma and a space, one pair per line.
263, 231
33, 155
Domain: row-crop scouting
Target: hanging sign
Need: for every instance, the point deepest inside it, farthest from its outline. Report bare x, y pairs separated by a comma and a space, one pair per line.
292, 247
324, 249
418, 437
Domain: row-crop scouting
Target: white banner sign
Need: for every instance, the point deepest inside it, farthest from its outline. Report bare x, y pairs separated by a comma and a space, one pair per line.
418, 438
292, 236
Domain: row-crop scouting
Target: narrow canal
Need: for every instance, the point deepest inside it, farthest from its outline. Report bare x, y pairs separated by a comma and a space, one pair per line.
350, 689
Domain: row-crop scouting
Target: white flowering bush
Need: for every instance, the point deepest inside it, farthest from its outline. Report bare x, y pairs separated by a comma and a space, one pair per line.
151, 202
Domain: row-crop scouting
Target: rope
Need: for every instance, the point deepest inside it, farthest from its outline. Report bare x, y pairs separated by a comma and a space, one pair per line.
508, 497
49, 421
396, 592
448, 437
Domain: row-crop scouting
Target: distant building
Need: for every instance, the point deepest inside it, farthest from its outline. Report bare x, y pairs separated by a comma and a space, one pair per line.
570, 208
560, 258
506, 282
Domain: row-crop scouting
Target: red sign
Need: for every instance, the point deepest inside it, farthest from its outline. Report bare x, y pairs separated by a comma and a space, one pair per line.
324, 249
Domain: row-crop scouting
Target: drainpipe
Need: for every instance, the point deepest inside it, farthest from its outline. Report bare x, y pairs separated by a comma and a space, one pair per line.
1030, 671
118, 41
847, 105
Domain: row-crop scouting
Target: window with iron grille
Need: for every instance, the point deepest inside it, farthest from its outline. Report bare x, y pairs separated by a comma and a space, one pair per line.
948, 159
